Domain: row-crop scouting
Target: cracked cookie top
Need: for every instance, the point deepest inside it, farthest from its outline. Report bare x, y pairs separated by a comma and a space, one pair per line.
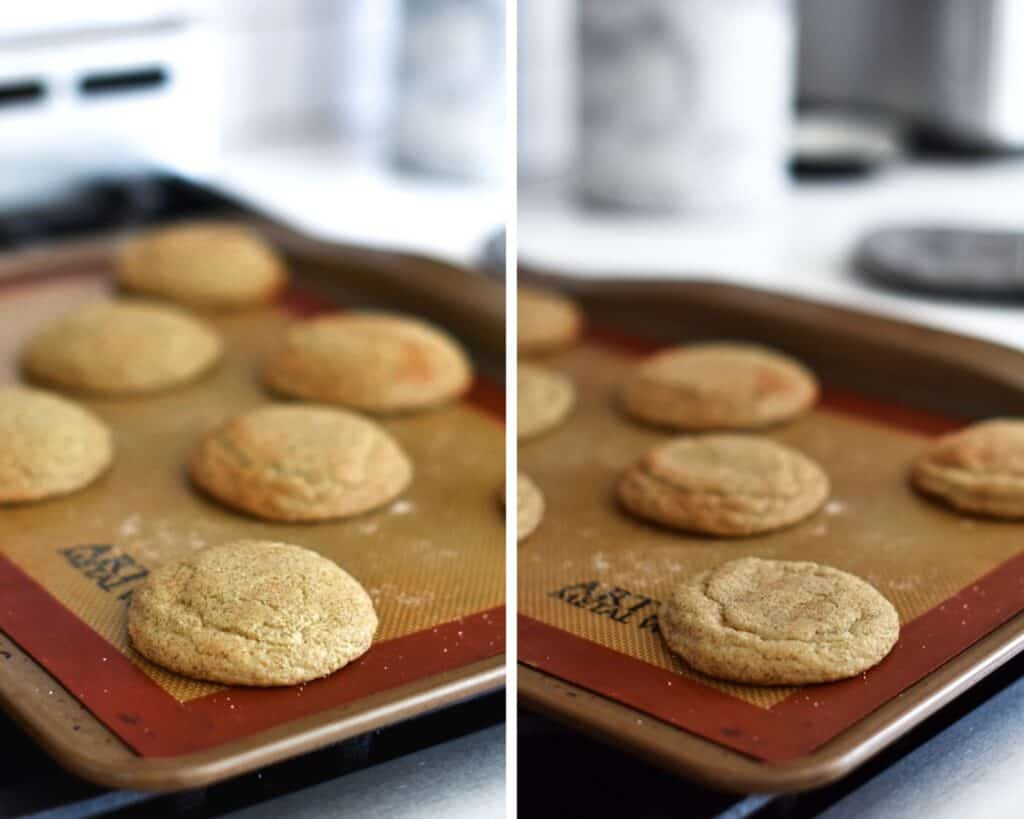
529, 507
51, 446
718, 385
544, 397
548, 321
122, 347
371, 361
724, 485
207, 265
252, 613
295, 462
979, 469
775, 622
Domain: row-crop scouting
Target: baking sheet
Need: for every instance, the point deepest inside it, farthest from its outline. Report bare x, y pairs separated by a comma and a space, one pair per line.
433, 560
592, 577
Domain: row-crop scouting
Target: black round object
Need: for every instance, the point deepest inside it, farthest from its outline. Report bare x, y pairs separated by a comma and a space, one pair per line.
952, 261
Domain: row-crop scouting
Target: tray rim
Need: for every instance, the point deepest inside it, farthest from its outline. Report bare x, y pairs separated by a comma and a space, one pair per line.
168, 774
448, 284
998, 361
701, 760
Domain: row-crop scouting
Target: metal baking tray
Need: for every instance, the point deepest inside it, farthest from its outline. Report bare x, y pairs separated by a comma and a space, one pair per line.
888, 386
68, 676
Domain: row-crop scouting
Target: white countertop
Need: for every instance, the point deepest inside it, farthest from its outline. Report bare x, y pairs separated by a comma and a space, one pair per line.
970, 769
323, 187
800, 248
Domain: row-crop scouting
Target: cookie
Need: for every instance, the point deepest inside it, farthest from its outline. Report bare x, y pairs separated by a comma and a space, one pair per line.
718, 386
371, 361
544, 400
529, 507
206, 265
301, 463
252, 612
548, 321
724, 485
979, 469
121, 347
776, 622
51, 446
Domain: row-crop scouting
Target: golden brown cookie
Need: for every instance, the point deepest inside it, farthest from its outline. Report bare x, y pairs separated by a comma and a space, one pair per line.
294, 462
122, 347
724, 485
252, 612
979, 469
718, 386
776, 622
51, 446
371, 361
548, 321
529, 507
544, 400
208, 265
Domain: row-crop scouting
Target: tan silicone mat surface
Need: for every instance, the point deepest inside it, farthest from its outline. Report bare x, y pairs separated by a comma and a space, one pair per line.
430, 558
593, 572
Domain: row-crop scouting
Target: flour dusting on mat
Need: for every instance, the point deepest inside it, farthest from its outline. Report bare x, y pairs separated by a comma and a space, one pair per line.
158, 539
387, 593
130, 526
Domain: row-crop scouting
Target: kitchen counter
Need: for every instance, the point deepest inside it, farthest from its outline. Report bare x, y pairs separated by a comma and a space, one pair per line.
333, 191
802, 247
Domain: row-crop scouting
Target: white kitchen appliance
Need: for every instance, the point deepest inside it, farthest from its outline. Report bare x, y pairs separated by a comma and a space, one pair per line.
104, 89
954, 68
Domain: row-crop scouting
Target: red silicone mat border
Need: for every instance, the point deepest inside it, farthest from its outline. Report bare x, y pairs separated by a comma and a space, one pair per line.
155, 724
152, 722
805, 720
809, 718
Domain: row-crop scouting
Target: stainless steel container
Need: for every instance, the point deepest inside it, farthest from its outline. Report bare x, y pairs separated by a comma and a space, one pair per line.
953, 66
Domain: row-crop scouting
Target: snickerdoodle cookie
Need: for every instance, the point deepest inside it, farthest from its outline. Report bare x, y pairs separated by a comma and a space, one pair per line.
775, 622
718, 386
209, 265
979, 469
724, 485
544, 400
51, 446
529, 507
121, 347
548, 321
371, 361
301, 463
252, 612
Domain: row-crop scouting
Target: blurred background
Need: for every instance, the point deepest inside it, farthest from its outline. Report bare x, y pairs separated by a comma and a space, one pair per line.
375, 121
865, 153
371, 122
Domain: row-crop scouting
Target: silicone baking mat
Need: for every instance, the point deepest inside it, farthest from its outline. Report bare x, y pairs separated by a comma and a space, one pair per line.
592, 577
433, 560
